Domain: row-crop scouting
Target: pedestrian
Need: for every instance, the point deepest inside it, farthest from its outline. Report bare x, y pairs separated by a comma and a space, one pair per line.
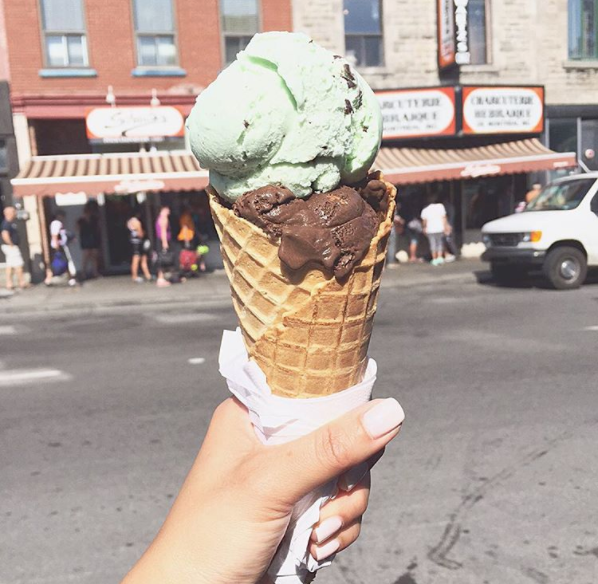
10, 249
61, 254
435, 225
140, 247
397, 228
89, 239
163, 239
451, 251
532, 194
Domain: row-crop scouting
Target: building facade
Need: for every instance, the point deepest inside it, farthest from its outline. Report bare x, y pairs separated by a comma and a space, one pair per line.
102, 88
547, 46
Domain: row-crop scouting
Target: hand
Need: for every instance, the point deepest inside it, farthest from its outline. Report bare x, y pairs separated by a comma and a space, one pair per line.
236, 502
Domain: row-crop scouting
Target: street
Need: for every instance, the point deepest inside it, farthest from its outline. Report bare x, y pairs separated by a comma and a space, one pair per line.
491, 481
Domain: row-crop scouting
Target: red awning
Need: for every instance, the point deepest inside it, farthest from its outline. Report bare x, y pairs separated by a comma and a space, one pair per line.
124, 173
419, 165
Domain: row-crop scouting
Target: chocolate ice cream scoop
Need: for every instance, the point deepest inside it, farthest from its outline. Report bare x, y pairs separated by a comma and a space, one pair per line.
332, 229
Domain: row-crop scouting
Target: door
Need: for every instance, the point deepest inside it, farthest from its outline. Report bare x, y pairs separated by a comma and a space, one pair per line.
592, 232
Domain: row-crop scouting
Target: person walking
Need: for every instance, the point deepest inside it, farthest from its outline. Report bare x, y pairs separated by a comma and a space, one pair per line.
435, 225
89, 239
59, 240
163, 238
448, 239
10, 248
140, 245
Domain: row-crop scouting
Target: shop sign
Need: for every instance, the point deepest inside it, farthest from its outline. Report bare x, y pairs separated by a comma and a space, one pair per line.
137, 186
70, 199
415, 113
134, 124
503, 110
446, 33
477, 170
463, 56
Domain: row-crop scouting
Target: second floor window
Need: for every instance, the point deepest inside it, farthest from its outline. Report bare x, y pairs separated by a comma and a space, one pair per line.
155, 33
582, 29
63, 26
240, 21
363, 32
478, 31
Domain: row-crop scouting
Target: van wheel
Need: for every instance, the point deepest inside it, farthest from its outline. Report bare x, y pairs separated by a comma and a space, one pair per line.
507, 274
565, 268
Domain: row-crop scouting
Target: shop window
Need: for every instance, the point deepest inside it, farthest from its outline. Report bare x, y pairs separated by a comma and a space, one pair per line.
155, 33
562, 135
363, 32
478, 15
64, 33
583, 29
240, 20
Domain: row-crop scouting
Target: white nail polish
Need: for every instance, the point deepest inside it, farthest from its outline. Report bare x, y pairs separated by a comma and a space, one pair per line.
326, 550
383, 418
327, 528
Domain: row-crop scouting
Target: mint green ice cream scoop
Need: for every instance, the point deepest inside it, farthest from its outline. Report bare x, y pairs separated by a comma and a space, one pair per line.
286, 112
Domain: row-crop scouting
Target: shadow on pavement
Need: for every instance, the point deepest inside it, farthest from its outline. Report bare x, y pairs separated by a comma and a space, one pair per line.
533, 280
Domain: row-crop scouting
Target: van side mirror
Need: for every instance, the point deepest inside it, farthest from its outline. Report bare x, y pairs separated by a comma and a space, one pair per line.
594, 204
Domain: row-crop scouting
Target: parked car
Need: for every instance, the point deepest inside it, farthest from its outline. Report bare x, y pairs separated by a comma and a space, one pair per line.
557, 233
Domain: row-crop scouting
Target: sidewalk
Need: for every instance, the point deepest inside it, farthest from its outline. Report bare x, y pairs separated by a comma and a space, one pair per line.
119, 294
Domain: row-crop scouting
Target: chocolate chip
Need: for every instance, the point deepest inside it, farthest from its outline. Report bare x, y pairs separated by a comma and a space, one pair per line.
348, 107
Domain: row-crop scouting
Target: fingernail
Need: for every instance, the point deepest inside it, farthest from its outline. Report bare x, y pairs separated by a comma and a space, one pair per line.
327, 528
383, 418
353, 477
326, 550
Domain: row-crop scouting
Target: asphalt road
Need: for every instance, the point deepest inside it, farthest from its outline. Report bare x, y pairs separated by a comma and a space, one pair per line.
492, 480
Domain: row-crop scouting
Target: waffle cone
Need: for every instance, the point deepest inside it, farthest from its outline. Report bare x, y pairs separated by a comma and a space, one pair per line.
308, 332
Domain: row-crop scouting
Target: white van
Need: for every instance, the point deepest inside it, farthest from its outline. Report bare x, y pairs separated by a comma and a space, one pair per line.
557, 233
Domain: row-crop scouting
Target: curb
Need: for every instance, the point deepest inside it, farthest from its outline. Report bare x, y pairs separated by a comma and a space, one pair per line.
213, 301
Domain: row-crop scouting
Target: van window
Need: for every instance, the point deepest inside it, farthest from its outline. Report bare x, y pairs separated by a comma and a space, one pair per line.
561, 196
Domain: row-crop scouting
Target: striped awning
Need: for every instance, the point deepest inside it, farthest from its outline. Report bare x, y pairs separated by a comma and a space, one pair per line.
121, 173
419, 165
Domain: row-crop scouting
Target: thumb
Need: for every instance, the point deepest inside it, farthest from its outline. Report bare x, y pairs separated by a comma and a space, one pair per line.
331, 450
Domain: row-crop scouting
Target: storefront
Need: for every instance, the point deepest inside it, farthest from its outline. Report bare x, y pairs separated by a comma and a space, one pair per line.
478, 149
120, 184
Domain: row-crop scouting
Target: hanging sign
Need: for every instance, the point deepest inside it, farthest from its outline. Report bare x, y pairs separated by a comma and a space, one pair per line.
503, 110
415, 113
463, 56
134, 124
446, 34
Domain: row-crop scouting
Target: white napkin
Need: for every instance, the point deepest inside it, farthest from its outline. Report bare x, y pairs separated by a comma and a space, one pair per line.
277, 420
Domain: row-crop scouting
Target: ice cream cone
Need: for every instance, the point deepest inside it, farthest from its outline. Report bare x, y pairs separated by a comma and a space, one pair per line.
308, 332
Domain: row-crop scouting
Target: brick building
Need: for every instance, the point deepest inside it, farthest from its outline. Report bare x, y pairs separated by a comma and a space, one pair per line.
148, 55
540, 44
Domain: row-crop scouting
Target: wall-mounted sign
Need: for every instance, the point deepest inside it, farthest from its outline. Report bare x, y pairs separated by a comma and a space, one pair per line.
503, 110
134, 124
415, 113
138, 186
446, 34
463, 56
70, 199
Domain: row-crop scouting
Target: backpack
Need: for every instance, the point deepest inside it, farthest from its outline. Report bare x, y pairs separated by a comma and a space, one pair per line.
59, 264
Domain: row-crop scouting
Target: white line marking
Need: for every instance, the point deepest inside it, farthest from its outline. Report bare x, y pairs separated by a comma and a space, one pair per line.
22, 376
184, 318
591, 328
196, 361
8, 330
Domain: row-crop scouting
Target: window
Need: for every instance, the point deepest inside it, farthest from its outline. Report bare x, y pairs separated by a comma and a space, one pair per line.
155, 32
3, 157
363, 32
478, 32
582, 29
240, 21
63, 24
